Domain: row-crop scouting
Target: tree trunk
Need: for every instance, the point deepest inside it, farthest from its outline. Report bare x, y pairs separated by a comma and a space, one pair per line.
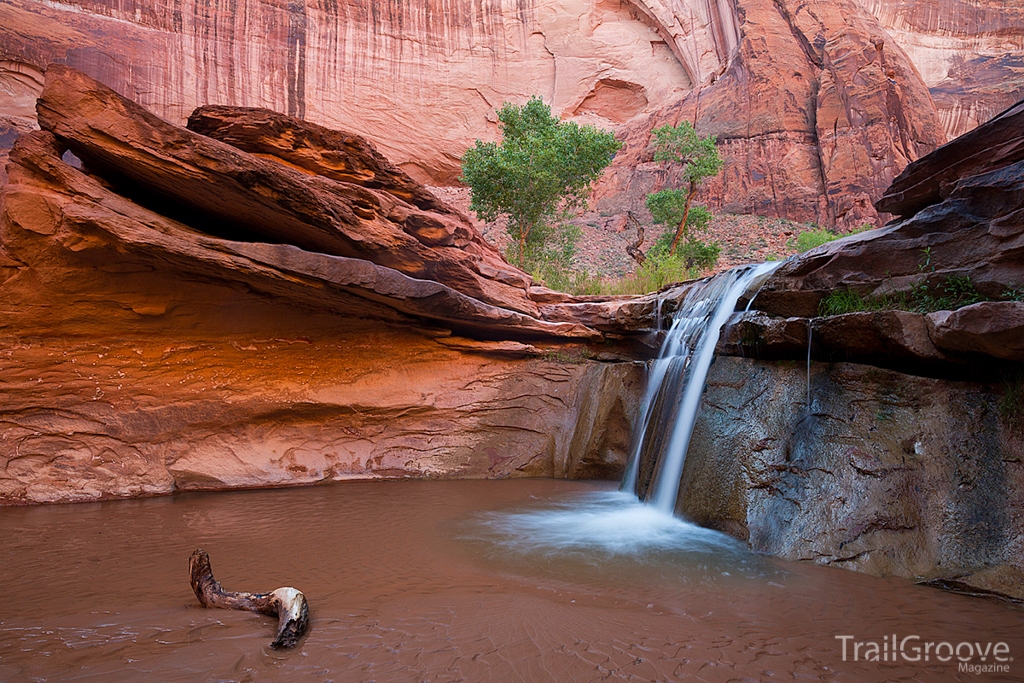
681, 230
633, 249
287, 604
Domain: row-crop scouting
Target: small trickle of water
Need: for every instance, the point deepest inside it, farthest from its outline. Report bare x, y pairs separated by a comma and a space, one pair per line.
676, 381
810, 334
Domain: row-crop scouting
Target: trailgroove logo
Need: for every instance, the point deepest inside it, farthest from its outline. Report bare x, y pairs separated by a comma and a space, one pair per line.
971, 657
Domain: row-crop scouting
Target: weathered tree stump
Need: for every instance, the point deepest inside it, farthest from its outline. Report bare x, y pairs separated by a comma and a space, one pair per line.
633, 249
287, 604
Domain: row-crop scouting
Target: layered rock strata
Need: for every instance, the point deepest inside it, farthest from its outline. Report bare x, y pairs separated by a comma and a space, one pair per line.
815, 116
817, 105
970, 53
421, 80
178, 317
963, 205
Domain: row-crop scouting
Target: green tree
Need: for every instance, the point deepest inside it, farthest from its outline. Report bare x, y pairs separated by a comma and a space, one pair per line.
699, 158
542, 169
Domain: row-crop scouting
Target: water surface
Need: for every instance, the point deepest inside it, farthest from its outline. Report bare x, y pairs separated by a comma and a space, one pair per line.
528, 580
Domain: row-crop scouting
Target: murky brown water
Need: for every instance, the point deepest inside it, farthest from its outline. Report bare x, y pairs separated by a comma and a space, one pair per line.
436, 581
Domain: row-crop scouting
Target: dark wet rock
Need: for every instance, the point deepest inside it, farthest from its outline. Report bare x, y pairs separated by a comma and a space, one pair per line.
888, 473
764, 336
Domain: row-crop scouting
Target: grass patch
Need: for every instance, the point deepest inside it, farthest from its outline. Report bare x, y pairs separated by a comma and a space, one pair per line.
809, 239
956, 291
572, 357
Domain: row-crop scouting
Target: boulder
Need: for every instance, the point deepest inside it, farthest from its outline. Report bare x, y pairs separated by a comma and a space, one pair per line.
992, 328
877, 337
214, 186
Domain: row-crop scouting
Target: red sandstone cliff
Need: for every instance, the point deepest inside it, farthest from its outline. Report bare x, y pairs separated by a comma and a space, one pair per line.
818, 104
970, 53
180, 313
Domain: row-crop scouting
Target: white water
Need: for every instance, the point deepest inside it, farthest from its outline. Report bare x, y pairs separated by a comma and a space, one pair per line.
684, 361
619, 525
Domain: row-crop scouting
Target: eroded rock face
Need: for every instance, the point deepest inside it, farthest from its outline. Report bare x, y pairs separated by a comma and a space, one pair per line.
994, 328
970, 53
421, 80
255, 395
211, 184
965, 203
815, 115
929, 180
144, 355
890, 474
816, 105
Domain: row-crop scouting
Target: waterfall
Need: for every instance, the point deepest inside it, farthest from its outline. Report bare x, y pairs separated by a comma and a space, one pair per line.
676, 382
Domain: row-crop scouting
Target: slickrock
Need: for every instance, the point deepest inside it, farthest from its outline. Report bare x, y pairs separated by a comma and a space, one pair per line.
203, 341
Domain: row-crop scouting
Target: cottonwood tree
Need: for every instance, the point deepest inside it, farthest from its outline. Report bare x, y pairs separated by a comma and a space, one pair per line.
542, 169
699, 159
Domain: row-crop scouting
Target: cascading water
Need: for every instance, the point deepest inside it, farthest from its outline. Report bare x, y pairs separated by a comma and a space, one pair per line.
676, 382
614, 526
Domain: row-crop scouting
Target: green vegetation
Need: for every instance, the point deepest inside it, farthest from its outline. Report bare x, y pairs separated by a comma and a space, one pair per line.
1012, 294
540, 172
699, 158
1011, 405
580, 355
956, 291
809, 239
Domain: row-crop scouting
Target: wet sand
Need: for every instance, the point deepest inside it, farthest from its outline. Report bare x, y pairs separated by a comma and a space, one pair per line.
447, 581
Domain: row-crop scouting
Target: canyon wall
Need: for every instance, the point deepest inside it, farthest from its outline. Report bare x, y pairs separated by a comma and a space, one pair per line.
420, 79
970, 53
816, 105
819, 110
335, 331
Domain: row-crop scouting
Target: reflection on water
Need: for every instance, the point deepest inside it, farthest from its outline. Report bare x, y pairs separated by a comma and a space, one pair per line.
506, 581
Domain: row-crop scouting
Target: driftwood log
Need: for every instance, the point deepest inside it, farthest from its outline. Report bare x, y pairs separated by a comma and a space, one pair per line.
287, 604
